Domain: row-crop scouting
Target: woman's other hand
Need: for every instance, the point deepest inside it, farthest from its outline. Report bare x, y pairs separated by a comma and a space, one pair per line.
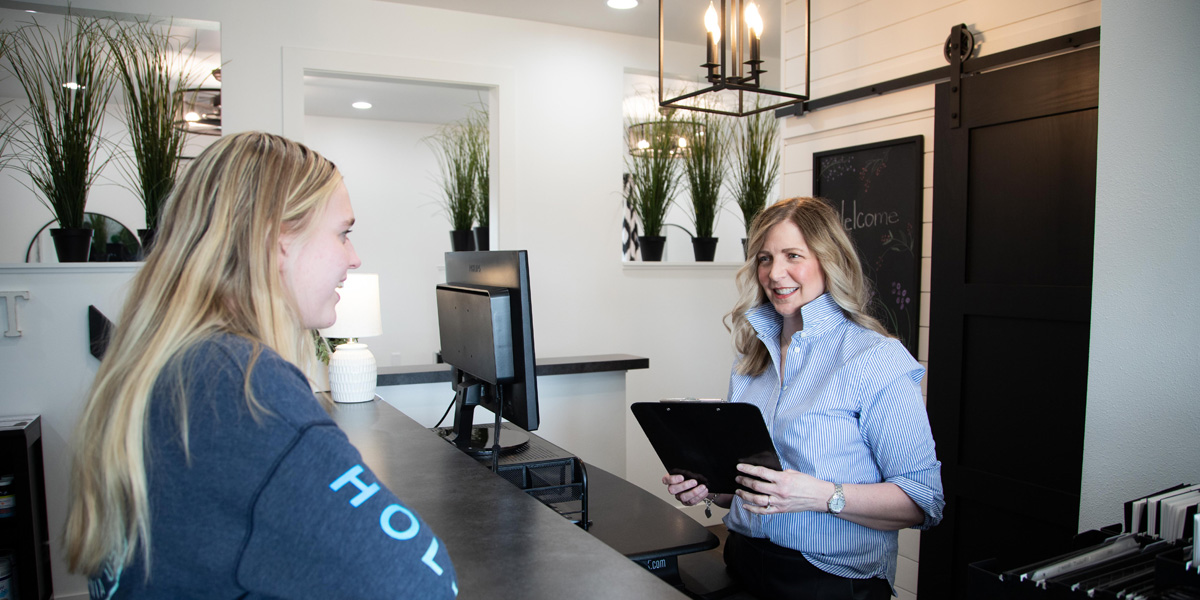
688, 491
774, 492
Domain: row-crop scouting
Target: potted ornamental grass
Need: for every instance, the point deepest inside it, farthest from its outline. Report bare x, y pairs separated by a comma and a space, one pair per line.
755, 165
478, 125
704, 165
655, 176
56, 141
151, 66
454, 149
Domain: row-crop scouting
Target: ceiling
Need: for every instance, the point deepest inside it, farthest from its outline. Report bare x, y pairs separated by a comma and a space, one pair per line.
331, 96
391, 100
641, 20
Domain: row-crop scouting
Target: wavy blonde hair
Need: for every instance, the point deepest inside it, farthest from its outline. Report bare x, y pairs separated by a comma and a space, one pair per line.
214, 268
822, 229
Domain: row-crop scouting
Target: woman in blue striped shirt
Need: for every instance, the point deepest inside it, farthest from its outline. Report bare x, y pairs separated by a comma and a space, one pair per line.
842, 400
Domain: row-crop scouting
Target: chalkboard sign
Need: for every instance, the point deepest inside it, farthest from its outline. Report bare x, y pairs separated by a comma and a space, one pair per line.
878, 190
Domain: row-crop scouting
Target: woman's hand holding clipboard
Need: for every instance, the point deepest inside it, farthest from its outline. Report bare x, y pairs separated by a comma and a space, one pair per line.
706, 440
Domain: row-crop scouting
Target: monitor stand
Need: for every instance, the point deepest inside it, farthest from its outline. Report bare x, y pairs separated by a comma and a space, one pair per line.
481, 441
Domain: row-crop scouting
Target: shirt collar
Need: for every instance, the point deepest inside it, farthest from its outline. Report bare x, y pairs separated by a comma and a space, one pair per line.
819, 315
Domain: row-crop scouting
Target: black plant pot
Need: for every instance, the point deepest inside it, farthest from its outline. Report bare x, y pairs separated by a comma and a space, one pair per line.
462, 240
147, 238
704, 248
481, 238
652, 247
72, 244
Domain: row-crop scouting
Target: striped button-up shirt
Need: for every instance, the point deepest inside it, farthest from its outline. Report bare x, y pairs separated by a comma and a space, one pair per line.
848, 410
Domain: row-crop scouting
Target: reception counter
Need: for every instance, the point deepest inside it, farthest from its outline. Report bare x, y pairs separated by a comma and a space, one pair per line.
504, 543
582, 400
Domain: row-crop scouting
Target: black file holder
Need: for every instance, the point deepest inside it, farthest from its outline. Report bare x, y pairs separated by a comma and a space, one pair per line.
1160, 562
1172, 571
24, 536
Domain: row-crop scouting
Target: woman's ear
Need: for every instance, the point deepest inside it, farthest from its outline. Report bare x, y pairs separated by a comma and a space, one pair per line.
283, 246
286, 240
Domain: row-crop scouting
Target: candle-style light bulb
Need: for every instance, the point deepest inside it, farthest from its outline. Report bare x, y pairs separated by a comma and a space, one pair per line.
713, 26
755, 23
754, 19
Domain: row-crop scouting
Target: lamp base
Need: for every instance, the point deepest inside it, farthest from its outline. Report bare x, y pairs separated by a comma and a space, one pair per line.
352, 373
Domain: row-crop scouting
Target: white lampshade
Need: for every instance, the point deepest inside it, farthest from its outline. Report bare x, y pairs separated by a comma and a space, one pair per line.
352, 367
358, 310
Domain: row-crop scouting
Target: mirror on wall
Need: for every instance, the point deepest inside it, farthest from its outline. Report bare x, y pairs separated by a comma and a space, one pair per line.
384, 152
640, 107
113, 192
111, 241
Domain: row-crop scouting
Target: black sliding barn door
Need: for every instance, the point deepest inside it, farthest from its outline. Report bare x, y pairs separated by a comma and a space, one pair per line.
1013, 223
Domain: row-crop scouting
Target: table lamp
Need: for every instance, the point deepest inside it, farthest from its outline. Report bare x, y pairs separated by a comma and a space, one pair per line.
352, 368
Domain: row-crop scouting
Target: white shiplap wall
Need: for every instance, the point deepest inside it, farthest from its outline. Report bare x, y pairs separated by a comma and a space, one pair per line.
857, 43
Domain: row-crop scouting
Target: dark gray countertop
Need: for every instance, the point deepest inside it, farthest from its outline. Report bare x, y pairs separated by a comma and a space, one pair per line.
504, 543
568, 365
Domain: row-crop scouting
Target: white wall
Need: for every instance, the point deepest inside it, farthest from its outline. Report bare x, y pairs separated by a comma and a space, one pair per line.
1143, 375
857, 44
400, 233
562, 200
48, 369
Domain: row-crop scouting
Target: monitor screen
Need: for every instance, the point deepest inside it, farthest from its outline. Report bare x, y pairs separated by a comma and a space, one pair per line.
507, 269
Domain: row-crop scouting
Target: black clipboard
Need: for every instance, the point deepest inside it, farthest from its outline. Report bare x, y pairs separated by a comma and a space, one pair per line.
706, 441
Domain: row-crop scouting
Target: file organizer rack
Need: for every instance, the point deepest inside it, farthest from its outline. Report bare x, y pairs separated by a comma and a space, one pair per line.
552, 475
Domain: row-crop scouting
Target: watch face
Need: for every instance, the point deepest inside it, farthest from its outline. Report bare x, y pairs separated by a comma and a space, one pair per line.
838, 501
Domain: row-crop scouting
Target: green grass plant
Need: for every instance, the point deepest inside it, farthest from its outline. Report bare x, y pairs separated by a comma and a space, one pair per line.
462, 151
66, 78
151, 66
478, 125
656, 174
704, 165
755, 164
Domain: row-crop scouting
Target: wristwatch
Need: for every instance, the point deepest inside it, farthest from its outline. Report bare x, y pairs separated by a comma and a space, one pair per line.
838, 500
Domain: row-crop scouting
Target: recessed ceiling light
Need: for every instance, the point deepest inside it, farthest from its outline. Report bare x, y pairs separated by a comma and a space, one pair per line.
361, 105
622, 4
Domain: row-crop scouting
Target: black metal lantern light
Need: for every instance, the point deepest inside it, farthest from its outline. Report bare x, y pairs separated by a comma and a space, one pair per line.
733, 65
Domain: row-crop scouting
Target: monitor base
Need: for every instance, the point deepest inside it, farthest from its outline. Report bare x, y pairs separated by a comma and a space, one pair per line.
480, 445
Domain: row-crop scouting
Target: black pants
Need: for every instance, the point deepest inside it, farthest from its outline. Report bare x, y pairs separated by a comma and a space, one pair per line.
773, 572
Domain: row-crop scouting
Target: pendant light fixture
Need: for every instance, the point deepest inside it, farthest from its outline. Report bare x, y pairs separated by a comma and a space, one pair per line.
199, 108
733, 63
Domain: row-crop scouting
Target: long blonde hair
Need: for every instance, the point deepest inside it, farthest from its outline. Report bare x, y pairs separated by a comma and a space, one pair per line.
822, 229
214, 268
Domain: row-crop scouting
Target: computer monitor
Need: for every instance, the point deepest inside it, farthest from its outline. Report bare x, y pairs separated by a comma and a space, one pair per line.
486, 323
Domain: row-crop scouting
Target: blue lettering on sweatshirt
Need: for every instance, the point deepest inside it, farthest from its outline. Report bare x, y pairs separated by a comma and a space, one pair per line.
365, 491
385, 521
351, 476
